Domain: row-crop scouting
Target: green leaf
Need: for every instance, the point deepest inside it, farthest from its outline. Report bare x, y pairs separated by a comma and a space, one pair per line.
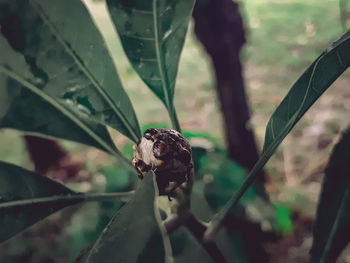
308, 88
231, 245
55, 46
226, 176
199, 204
186, 248
153, 34
17, 185
26, 111
135, 234
332, 226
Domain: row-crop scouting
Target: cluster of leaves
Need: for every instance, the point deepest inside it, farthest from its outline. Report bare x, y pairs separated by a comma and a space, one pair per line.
58, 80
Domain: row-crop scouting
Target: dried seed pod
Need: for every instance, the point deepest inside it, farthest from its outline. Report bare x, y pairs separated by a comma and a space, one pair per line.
168, 154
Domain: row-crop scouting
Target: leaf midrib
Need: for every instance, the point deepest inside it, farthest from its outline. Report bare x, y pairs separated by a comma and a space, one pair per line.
160, 58
86, 71
266, 153
61, 108
74, 197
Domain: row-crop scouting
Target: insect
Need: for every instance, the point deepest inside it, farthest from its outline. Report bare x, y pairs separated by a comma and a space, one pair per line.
168, 154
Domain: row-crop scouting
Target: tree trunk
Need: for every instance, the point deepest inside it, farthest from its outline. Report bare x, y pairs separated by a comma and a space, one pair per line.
47, 155
219, 27
44, 153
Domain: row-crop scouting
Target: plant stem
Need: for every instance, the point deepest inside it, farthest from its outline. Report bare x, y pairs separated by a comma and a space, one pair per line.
217, 221
73, 198
174, 120
168, 101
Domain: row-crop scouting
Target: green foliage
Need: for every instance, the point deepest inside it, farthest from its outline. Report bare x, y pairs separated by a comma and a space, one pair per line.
153, 34
307, 89
118, 179
186, 249
62, 64
59, 80
232, 246
225, 176
331, 230
26, 197
86, 225
46, 118
135, 231
215, 179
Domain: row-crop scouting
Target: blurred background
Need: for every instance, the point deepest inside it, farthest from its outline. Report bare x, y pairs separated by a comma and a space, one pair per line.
282, 38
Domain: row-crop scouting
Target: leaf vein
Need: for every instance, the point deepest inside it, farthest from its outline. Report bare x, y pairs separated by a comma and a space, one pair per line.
86, 71
138, 37
61, 108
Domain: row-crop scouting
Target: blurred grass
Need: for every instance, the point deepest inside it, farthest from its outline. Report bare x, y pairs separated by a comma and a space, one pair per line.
284, 37
291, 33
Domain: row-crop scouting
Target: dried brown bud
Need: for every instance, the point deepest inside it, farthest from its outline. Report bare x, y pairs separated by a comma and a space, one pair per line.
168, 154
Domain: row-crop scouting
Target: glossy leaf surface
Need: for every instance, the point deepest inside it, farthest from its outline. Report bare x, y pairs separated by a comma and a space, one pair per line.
153, 34
18, 184
55, 46
186, 248
308, 88
332, 227
135, 234
27, 111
